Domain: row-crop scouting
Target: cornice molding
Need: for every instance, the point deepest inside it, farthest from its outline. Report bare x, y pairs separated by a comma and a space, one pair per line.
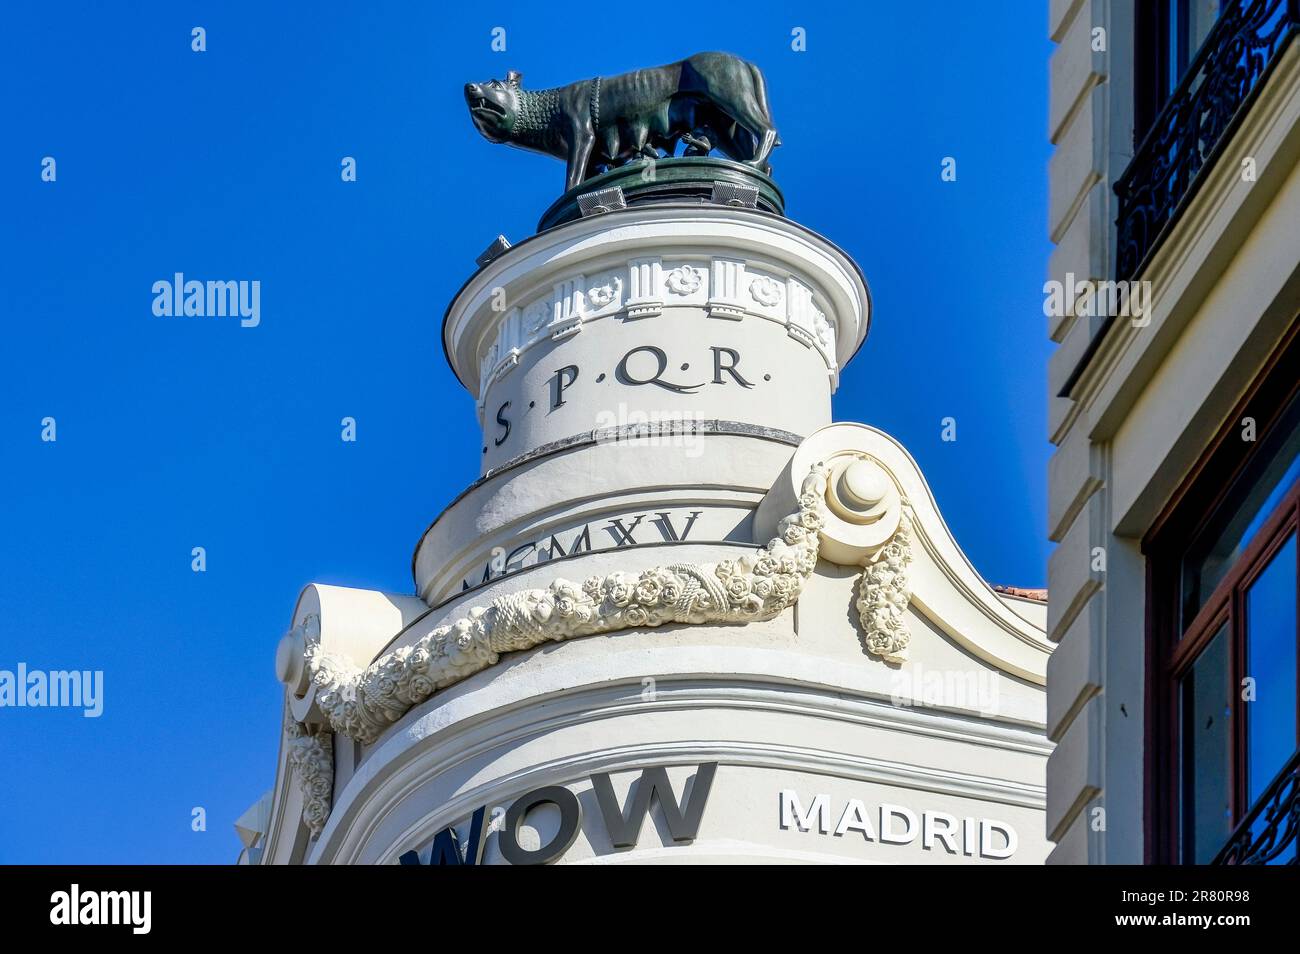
728, 262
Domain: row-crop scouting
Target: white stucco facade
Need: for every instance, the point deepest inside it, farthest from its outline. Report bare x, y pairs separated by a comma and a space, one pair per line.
767, 608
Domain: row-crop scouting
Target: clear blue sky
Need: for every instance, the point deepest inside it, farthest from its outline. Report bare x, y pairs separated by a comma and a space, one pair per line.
225, 164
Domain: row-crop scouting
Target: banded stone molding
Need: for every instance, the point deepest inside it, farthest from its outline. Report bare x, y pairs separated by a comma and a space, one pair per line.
641, 288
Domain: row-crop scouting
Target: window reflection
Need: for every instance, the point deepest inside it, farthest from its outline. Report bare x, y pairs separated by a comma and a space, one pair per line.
1274, 470
1206, 702
1271, 663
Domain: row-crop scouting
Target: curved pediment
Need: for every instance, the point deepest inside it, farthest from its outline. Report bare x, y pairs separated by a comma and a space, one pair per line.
876, 488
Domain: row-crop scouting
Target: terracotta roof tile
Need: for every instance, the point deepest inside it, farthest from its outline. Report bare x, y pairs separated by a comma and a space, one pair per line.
1038, 596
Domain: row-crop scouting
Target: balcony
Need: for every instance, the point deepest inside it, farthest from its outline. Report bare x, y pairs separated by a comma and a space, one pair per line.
1267, 835
1192, 128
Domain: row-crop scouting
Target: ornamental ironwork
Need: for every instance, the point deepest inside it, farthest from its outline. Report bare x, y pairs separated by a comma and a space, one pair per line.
1268, 832
1187, 135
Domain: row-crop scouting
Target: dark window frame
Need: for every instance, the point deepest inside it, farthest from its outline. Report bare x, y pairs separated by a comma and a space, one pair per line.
1171, 649
1152, 29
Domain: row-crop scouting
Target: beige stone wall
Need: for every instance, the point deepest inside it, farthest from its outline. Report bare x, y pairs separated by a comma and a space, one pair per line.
1223, 290
1089, 123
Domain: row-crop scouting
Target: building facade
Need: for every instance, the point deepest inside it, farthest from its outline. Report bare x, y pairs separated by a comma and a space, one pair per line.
681, 616
1173, 294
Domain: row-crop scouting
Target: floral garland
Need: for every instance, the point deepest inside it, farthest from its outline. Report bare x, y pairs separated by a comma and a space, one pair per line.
312, 754
883, 595
361, 703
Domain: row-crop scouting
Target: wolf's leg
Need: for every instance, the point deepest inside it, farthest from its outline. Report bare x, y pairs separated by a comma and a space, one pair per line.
581, 143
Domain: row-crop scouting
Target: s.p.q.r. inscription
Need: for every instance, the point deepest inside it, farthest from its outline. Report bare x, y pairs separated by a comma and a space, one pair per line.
643, 366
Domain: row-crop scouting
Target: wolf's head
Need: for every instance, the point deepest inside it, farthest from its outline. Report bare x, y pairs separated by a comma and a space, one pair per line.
494, 106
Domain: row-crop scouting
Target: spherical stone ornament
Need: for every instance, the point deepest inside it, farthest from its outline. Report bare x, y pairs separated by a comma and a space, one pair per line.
290, 665
861, 491
864, 483
864, 503
865, 506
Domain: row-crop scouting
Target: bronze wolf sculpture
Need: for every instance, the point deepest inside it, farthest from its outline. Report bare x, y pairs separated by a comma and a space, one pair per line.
706, 101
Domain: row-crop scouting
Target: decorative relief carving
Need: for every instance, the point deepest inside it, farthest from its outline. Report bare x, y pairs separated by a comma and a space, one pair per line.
825, 333
536, 317
726, 286
361, 703
766, 291
883, 595
311, 753
684, 280
566, 315
645, 298
601, 295
867, 523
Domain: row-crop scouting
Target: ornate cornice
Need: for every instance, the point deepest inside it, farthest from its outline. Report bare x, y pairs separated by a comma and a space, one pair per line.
642, 287
554, 284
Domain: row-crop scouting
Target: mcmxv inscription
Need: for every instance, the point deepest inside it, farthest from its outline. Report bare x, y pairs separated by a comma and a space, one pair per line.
659, 526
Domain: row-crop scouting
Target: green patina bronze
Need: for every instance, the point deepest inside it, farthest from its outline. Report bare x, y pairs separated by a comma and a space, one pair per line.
705, 102
679, 179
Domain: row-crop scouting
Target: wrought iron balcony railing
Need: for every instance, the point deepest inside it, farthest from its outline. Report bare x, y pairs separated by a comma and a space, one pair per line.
1190, 131
1268, 832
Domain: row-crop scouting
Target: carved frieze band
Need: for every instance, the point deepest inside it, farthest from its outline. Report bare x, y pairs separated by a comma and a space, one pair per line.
643, 287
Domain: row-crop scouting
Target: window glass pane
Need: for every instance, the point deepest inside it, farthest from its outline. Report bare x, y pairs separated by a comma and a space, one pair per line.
1206, 759
1271, 662
1175, 58
1200, 17
1274, 469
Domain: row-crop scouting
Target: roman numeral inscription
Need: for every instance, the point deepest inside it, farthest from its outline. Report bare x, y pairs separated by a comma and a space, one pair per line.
614, 533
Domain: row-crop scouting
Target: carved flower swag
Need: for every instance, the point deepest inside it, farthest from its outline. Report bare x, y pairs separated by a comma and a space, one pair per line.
361, 703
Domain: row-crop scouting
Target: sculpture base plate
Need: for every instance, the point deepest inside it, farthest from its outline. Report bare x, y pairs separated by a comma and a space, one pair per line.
677, 179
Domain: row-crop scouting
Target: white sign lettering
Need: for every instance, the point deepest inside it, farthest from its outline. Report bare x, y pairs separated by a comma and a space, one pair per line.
899, 825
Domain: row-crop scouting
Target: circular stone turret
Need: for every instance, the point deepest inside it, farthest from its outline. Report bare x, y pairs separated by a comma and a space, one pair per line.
663, 360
